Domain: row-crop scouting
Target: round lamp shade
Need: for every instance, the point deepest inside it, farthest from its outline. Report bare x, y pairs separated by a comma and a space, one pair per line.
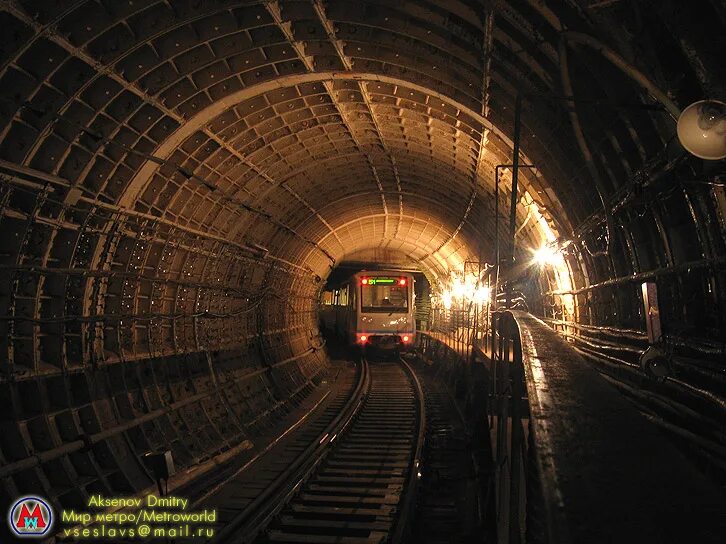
702, 129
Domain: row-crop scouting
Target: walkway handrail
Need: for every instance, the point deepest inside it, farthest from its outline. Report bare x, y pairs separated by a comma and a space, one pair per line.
527, 503
524, 486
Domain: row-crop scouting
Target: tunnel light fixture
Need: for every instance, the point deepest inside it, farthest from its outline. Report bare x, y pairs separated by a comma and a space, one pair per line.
551, 257
482, 294
465, 289
701, 129
458, 288
546, 255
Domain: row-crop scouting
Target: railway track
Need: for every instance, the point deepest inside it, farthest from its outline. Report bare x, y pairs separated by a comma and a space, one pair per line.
357, 482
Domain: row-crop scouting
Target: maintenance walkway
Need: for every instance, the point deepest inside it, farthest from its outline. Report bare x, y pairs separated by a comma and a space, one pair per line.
606, 472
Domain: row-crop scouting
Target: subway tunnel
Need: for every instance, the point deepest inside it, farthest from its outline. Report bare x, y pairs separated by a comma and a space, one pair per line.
179, 179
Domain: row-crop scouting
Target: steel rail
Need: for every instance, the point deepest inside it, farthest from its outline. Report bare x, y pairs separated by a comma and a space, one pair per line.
369, 418
402, 528
258, 514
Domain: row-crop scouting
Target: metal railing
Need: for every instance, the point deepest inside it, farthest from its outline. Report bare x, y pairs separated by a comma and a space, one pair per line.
508, 415
464, 328
494, 340
524, 486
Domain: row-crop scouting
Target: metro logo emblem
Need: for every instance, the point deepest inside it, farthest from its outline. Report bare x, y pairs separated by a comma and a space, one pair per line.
30, 517
31, 520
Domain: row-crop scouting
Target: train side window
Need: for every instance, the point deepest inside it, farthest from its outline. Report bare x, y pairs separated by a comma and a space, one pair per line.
328, 298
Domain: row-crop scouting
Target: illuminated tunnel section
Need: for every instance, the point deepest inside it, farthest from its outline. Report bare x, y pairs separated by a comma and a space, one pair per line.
178, 179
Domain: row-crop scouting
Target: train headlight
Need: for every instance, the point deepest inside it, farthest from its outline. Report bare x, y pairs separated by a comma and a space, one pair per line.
362, 338
406, 338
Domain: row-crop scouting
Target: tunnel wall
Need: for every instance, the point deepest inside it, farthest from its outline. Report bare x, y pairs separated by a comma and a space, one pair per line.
673, 235
131, 336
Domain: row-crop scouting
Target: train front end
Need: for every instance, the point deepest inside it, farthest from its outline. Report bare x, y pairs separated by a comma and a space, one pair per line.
385, 311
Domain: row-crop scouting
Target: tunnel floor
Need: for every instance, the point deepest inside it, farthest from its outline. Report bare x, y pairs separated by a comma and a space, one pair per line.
233, 494
252, 497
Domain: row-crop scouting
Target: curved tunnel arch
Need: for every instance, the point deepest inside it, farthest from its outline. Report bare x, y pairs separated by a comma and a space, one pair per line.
218, 108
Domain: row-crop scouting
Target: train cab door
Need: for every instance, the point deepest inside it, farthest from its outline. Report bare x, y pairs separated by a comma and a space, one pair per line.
352, 311
336, 312
342, 312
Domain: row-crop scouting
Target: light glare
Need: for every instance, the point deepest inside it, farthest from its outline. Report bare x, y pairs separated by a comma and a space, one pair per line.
482, 294
462, 290
546, 255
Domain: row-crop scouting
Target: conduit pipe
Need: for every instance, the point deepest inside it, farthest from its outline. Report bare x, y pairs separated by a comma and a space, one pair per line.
625, 67
585, 150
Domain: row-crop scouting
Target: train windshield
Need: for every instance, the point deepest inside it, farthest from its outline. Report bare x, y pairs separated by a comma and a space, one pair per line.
388, 295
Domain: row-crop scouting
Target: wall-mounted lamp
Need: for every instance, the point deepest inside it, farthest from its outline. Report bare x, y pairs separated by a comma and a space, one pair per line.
545, 255
463, 289
702, 129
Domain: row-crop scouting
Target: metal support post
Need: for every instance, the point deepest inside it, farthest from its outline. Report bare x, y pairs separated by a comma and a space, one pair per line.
513, 207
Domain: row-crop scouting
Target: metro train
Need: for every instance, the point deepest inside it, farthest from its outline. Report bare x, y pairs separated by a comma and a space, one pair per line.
372, 309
